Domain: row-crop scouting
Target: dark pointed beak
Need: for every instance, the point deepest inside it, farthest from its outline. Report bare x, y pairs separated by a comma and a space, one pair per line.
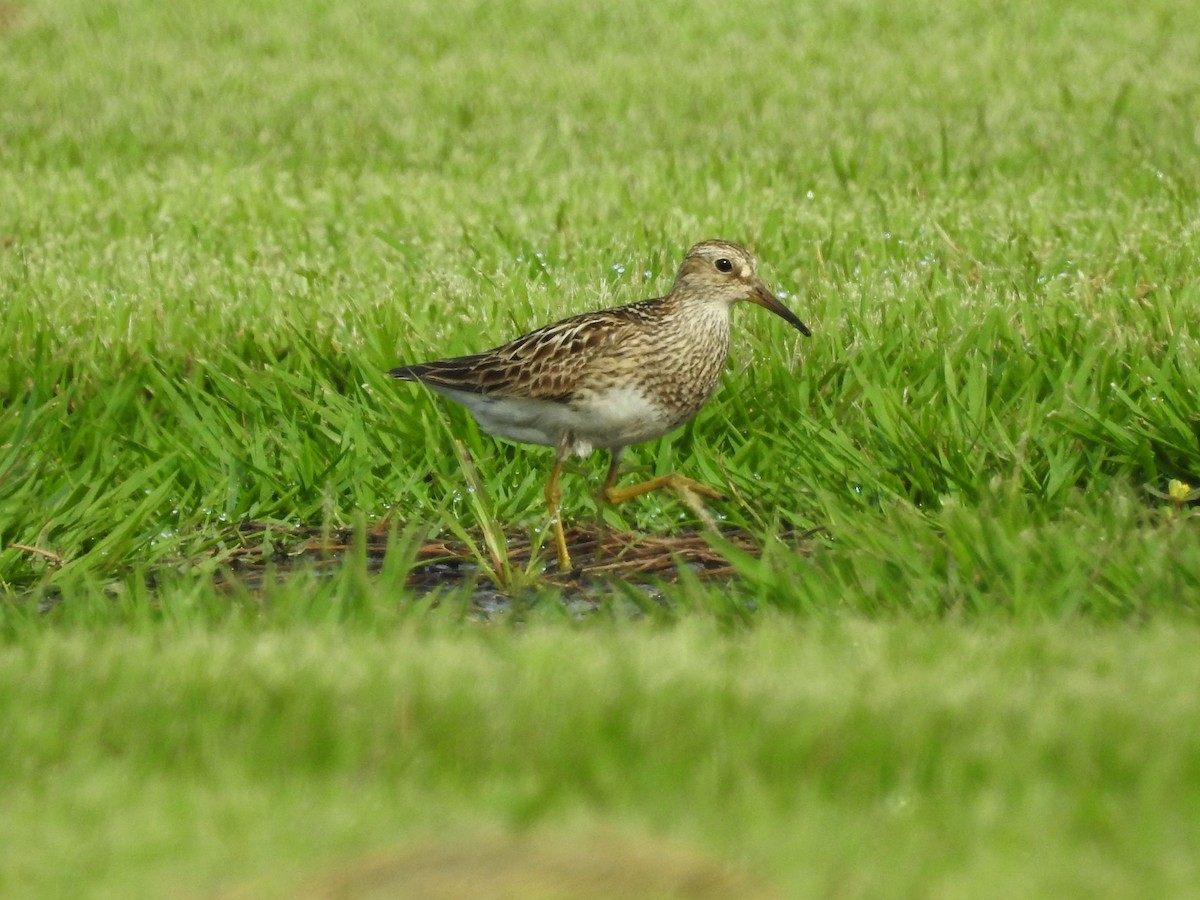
763, 297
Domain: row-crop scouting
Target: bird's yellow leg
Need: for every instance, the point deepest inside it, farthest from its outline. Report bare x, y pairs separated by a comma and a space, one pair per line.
688, 489
553, 499
674, 481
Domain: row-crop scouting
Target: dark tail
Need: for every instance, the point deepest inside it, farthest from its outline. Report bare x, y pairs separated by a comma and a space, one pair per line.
407, 373
458, 373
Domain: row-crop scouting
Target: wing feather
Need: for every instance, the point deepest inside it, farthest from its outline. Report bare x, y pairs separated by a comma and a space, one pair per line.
546, 364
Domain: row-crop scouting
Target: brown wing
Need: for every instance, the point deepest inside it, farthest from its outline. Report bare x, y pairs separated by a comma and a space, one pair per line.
546, 364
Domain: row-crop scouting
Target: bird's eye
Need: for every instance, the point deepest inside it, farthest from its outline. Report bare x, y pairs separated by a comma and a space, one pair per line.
723, 265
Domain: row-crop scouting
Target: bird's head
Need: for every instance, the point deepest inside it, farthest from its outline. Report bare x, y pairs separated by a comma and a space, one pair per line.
724, 271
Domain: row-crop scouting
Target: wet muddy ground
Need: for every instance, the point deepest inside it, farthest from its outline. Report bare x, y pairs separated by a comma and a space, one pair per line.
603, 558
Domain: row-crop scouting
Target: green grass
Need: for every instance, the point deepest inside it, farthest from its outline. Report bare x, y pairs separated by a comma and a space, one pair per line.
875, 759
221, 223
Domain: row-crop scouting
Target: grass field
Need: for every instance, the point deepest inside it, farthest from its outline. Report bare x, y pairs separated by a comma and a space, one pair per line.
221, 223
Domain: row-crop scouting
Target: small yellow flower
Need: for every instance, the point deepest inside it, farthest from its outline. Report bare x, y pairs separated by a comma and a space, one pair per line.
1180, 492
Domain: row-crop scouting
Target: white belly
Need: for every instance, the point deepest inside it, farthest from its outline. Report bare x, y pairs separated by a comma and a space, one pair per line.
618, 417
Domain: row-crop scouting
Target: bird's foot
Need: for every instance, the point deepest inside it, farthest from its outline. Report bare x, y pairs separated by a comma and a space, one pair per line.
688, 489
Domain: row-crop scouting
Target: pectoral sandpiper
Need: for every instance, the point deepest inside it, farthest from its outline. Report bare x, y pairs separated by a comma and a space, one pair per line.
612, 377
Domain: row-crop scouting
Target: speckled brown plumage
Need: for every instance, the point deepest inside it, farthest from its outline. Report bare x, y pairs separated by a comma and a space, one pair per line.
612, 377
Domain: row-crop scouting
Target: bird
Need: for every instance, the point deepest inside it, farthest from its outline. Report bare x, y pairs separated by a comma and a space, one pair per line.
612, 377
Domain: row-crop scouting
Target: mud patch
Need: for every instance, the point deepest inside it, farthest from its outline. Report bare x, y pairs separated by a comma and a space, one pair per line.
602, 557
520, 867
10, 16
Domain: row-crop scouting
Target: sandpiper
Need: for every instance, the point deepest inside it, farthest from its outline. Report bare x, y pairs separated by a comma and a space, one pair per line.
613, 377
